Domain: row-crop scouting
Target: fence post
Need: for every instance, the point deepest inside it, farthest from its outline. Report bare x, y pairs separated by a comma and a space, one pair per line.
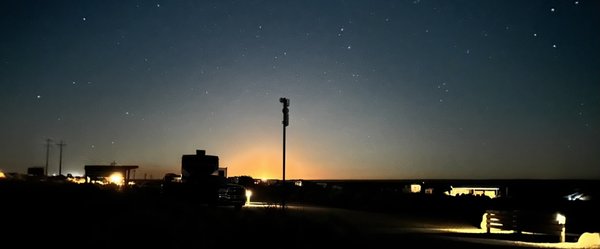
563, 233
487, 222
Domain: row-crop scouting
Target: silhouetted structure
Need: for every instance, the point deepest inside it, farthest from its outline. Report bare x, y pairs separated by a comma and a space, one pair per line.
48, 141
285, 122
60, 145
222, 172
35, 171
198, 167
103, 172
203, 181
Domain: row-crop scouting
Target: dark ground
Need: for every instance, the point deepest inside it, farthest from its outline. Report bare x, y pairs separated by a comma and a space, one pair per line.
70, 216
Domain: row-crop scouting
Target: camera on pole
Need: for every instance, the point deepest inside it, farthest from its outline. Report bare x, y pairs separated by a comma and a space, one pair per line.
286, 110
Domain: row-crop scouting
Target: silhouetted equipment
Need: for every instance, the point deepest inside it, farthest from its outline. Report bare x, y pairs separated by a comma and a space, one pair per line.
48, 141
286, 111
102, 172
35, 171
60, 145
534, 221
285, 122
199, 166
222, 172
203, 181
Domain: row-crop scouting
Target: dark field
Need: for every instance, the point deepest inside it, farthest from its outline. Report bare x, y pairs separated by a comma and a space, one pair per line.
86, 216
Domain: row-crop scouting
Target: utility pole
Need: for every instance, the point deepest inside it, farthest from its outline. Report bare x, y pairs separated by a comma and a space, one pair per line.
48, 141
285, 122
60, 145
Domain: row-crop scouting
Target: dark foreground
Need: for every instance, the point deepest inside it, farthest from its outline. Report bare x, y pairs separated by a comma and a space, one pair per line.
84, 216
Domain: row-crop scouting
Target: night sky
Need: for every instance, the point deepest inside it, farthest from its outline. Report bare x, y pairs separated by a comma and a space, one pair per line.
378, 89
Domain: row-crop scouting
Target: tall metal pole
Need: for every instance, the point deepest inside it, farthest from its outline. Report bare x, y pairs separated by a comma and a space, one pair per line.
60, 145
48, 141
285, 122
283, 202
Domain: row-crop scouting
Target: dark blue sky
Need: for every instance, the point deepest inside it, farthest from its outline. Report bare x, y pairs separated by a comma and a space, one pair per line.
378, 89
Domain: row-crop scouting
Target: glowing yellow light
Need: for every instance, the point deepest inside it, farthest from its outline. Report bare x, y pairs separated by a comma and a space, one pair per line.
561, 219
248, 195
589, 240
2, 175
77, 180
116, 178
415, 188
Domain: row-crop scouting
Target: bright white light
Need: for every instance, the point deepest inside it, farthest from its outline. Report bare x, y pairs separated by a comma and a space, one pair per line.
248, 195
561, 219
116, 178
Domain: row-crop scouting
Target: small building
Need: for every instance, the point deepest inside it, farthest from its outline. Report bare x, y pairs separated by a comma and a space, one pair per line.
491, 192
105, 174
412, 188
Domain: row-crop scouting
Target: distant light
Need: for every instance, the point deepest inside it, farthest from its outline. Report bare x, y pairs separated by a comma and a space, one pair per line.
561, 219
84, 20
77, 179
415, 188
248, 195
2, 175
552, 9
39, 96
116, 178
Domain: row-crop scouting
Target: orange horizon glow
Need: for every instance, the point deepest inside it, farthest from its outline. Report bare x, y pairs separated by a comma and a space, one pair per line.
266, 163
